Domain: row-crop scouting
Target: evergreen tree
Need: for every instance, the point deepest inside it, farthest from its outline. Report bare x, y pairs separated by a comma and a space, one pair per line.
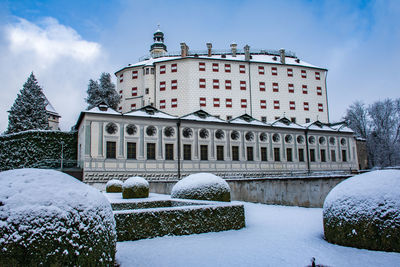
102, 92
29, 109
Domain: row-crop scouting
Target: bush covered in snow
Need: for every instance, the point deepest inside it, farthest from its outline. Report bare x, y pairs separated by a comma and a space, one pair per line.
135, 187
114, 186
49, 218
364, 211
202, 186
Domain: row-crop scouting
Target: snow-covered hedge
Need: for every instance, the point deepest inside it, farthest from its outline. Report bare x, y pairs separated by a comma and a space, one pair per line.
114, 186
135, 187
202, 186
364, 211
49, 218
37, 148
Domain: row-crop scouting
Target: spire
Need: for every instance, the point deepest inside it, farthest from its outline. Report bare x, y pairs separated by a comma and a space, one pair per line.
158, 48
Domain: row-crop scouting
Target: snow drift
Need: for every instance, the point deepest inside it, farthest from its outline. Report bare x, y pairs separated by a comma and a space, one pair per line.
135, 187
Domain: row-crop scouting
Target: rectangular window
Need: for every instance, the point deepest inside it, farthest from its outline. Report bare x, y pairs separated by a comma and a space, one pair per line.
174, 67
263, 104
301, 154
344, 155
220, 152
323, 155
319, 90
133, 106
293, 119
227, 67
306, 106
202, 66
131, 150
303, 74
216, 84
120, 108
111, 150
228, 117
320, 107
235, 153
169, 151
305, 89
162, 69
242, 85
174, 103
250, 156
312, 155
216, 102
203, 152
317, 76
307, 120
277, 154
274, 71
162, 104
174, 84
202, 83
243, 103
264, 155
290, 72
202, 101
151, 151
275, 87
121, 78
147, 70
134, 74
333, 155
242, 68
289, 156
215, 67
276, 104
228, 84
134, 91
261, 70
263, 119
187, 152
292, 105
228, 102
147, 91
162, 86
262, 86
291, 88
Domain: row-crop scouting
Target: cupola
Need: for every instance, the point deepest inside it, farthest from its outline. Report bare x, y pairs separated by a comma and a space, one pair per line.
158, 48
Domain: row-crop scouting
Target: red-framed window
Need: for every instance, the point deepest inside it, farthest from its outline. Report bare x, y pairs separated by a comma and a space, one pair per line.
292, 105
261, 70
216, 84
319, 90
228, 102
303, 74
317, 75
262, 86
162, 104
120, 93
121, 78
242, 68
228, 84
216, 102
227, 67
162, 86
202, 83
306, 106
202, 66
133, 106
134, 74
134, 91
320, 107
305, 89
174, 84
242, 85
275, 87
263, 104
274, 71
162, 69
202, 102
290, 72
276, 104
174, 103
243, 103
215, 67
174, 67
291, 88
120, 108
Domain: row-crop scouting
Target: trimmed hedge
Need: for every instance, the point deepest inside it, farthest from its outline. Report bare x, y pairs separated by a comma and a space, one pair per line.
135, 187
114, 186
37, 149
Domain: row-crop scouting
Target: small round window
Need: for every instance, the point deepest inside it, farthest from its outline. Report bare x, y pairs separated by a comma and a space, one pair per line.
235, 135
111, 128
187, 132
263, 137
219, 134
332, 140
322, 140
249, 136
203, 133
151, 131
169, 131
276, 138
131, 129
311, 139
300, 139
343, 141
288, 138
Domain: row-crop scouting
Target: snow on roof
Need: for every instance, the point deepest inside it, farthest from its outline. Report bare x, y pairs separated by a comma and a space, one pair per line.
49, 106
240, 120
98, 111
149, 112
342, 127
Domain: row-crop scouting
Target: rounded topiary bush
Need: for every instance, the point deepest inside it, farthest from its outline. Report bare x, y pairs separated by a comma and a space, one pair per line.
114, 186
364, 211
202, 186
49, 218
135, 187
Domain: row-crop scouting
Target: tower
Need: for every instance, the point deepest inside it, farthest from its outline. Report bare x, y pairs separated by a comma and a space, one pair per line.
158, 48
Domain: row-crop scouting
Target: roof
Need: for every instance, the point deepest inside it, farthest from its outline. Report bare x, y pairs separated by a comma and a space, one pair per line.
49, 107
201, 115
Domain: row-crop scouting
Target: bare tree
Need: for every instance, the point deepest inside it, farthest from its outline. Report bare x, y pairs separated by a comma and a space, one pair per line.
357, 119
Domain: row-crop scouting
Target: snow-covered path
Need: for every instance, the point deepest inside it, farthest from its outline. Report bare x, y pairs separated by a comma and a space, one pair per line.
274, 236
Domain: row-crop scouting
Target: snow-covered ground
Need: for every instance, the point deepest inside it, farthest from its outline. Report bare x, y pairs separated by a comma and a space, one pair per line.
274, 236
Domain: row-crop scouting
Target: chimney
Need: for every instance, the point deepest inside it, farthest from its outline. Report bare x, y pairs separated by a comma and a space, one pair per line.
282, 52
234, 49
184, 50
246, 52
209, 46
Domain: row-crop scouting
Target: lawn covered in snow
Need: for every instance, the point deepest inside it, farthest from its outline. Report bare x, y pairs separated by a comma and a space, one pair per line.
274, 236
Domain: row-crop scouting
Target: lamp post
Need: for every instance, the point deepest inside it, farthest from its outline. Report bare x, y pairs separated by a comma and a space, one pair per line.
62, 154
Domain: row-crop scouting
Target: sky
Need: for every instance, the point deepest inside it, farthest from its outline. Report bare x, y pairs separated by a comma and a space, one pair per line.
66, 43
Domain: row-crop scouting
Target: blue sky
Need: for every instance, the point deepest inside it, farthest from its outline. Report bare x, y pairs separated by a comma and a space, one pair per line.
65, 43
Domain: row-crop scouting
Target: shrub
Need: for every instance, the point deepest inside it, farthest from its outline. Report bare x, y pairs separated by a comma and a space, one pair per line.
114, 186
364, 211
202, 186
49, 218
135, 187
